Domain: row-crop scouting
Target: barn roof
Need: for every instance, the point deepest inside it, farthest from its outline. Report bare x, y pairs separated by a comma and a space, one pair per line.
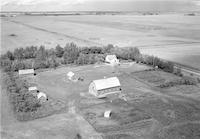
26, 71
106, 83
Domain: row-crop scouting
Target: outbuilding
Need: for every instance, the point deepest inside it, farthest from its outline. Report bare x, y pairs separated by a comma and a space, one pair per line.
103, 87
27, 72
42, 97
70, 75
34, 88
107, 114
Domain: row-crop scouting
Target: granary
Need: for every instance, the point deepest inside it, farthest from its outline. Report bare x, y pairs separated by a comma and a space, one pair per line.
112, 59
27, 72
103, 87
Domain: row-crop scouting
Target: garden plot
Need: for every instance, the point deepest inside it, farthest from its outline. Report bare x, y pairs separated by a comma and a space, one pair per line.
191, 91
123, 117
155, 77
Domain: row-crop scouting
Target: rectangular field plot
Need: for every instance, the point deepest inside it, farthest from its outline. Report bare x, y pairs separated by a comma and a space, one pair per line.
155, 77
123, 117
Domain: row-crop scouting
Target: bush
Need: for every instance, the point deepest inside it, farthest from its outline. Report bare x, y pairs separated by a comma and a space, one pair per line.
184, 81
177, 71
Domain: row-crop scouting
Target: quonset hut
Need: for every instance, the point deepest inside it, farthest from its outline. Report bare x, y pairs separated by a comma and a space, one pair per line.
101, 88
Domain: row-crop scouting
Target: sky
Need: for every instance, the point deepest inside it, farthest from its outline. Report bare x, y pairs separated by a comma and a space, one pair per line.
100, 5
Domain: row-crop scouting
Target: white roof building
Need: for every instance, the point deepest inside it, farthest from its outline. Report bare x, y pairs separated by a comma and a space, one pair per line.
26, 71
41, 95
34, 88
101, 88
70, 74
112, 59
107, 114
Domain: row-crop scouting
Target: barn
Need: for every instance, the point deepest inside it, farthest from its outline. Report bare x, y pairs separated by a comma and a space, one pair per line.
103, 87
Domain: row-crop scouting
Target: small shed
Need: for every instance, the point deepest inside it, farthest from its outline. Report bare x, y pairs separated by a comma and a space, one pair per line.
42, 97
70, 75
107, 114
103, 87
112, 59
34, 88
27, 72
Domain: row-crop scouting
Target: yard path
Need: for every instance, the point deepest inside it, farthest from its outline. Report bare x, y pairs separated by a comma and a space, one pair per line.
87, 131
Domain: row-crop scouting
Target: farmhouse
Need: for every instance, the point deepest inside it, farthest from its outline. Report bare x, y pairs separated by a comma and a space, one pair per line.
112, 59
27, 72
103, 87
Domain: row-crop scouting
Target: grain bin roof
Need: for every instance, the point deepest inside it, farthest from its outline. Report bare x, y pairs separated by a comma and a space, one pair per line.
106, 83
26, 71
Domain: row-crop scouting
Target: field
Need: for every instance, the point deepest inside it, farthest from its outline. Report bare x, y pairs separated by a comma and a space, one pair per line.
174, 37
148, 113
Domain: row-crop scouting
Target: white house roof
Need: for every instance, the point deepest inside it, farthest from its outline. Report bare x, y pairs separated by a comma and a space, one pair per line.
106, 83
41, 94
26, 71
110, 58
32, 88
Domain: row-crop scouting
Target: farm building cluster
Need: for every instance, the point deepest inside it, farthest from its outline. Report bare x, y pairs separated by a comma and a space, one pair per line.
99, 88
30, 74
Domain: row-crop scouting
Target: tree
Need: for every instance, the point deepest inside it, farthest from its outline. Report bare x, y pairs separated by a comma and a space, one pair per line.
71, 53
108, 48
30, 52
41, 54
53, 63
10, 55
19, 53
59, 51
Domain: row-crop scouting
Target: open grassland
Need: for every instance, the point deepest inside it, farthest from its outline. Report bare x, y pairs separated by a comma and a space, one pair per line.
173, 37
148, 113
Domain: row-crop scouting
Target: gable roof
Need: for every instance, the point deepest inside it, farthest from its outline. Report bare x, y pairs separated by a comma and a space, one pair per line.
26, 71
106, 83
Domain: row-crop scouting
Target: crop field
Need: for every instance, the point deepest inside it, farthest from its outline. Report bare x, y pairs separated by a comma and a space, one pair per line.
173, 37
147, 113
